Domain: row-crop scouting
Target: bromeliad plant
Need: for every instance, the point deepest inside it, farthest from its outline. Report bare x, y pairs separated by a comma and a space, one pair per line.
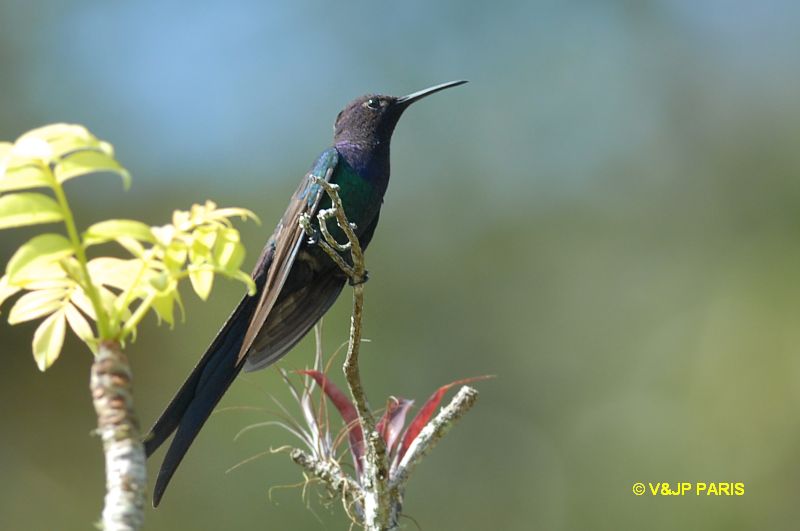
404, 443
392, 428
103, 299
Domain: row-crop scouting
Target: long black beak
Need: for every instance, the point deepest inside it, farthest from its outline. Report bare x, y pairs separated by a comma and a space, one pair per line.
405, 101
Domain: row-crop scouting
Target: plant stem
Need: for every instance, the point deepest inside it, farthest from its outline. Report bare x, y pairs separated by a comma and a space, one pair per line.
103, 329
380, 511
138, 315
352, 372
119, 307
111, 386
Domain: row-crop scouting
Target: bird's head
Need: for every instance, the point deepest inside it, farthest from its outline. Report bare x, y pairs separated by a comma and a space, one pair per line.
371, 118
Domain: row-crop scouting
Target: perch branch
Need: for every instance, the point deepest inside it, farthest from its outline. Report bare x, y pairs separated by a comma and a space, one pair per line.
357, 275
379, 495
379, 510
329, 473
432, 433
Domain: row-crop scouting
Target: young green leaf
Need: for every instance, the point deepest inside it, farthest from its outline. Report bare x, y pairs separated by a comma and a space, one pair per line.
241, 276
132, 245
229, 252
164, 306
164, 234
48, 340
175, 256
24, 177
116, 229
19, 210
202, 242
6, 290
83, 302
35, 304
202, 281
79, 325
48, 282
64, 139
109, 301
161, 281
114, 272
243, 213
36, 255
29, 148
89, 161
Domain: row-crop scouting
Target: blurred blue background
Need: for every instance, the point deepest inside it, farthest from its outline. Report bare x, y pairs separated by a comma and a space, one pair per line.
606, 217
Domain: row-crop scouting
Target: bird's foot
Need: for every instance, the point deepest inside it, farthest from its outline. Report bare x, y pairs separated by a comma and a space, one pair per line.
313, 238
356, 282
311, 231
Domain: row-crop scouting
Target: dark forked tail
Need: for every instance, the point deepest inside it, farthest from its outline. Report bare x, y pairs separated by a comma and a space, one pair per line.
200, 393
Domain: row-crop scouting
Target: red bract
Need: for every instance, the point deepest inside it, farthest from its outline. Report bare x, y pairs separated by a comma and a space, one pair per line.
394, 418
390, 426
348, 412
426, 412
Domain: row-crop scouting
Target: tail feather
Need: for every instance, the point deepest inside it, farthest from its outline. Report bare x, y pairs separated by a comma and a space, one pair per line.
200, 393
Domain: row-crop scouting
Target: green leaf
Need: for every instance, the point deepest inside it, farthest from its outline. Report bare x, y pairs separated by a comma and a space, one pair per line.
180, 305
48, 340
116, 229
202, 242
89, 161
81, 300
109, 300
243, 277
6, 291
114, 272
53, 132
35, 304
175, 256
72, 268
243, 213
35, 255
30, 148
164, 234
79, 325
160, 281
24, 177
65, 138
202, 281
164, 306
132, 245
50, 282
229, 252
19, 210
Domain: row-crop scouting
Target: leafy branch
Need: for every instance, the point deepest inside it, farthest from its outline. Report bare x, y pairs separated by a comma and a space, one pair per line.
103, 299
63, 285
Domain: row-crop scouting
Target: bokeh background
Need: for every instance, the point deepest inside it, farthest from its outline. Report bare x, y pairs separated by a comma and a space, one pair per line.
606, 217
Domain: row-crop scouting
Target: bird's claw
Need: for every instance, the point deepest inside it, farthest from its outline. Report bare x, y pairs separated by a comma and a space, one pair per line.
357, 282
313, 238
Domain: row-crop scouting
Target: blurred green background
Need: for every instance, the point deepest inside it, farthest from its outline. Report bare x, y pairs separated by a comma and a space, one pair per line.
606, 217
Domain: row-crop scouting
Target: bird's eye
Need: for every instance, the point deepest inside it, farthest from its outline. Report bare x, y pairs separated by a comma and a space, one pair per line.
373, 103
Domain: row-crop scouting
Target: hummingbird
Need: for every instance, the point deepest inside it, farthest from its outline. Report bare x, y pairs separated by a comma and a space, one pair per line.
296, 282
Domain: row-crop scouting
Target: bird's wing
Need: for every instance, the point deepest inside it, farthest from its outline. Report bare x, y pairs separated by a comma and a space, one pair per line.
292, 317
287, 239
